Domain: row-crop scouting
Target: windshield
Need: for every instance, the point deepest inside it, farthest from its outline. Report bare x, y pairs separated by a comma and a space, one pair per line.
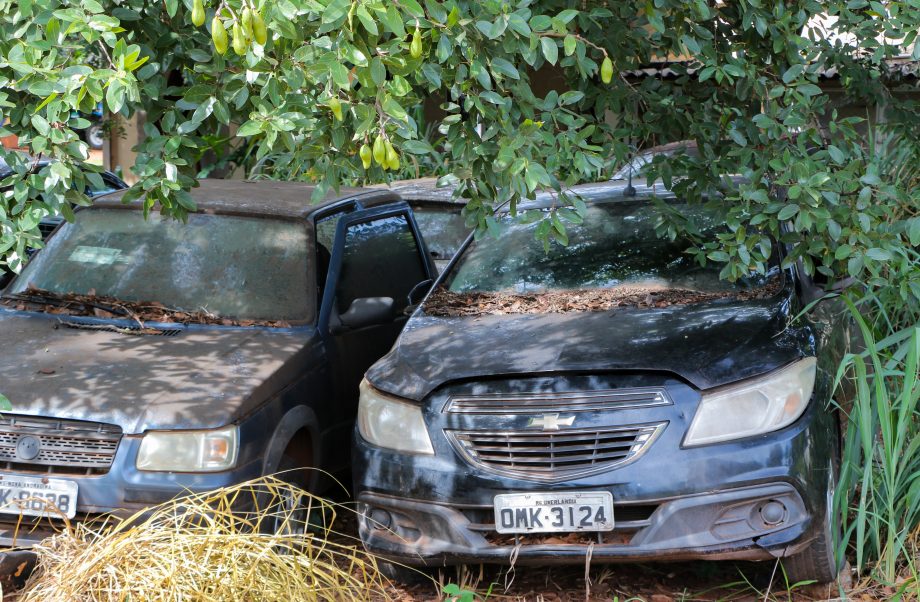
242, 268
615, 248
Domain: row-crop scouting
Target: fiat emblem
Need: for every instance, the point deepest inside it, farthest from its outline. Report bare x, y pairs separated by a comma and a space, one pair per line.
28, 447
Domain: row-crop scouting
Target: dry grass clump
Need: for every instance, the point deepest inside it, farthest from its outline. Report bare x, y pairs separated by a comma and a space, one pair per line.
247, 543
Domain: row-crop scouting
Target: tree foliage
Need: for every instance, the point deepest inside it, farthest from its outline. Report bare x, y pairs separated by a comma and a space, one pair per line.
334, 76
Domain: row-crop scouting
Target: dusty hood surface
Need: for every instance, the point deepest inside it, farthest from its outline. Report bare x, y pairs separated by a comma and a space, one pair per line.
708, 344
200, 378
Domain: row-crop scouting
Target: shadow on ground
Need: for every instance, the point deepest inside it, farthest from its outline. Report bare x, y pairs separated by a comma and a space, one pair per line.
671, 582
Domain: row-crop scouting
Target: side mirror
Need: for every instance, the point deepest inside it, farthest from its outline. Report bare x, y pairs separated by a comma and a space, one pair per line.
367, 311
814, 292
416, 295
419, 291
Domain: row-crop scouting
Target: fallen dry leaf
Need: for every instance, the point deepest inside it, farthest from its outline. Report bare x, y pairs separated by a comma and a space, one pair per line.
449, 304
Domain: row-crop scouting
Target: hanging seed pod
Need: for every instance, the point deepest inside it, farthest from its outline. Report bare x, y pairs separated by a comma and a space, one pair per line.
366, 156
197, 13
336, 107
392, 158
219, 35
239, 40
606, 70
380, 152
246, 22
415, 46
259, 32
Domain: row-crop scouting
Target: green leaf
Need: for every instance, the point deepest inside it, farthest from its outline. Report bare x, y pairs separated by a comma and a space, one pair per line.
5, 404
567, 15
339, 74
249, 128
492, 97
568, 44
879, 254
570, 97
40, 124
914, 232
115, 95
394, 109
519, 25
432, 73
221, 112
505, 67
379, 71
393, 22
836, 154
335, 10
366, 19
692, 45
792, 73
415, 9
188, 126
550, 50
540, 23
787, 212
354, 55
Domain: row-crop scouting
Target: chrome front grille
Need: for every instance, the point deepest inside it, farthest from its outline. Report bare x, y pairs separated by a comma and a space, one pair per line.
575, 401
556, 455
64, 446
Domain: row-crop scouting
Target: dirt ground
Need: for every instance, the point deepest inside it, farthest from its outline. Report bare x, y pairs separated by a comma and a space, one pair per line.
662, 582
700, 581
676, 582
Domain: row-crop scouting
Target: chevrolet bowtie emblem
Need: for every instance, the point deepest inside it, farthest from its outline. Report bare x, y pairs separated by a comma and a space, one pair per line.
551, 422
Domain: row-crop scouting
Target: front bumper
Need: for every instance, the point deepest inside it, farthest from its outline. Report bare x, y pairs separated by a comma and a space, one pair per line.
121, 492
718, 525
672, 503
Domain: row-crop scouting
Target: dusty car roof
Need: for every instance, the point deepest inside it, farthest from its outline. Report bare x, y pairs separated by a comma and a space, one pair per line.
421, 189
263, 197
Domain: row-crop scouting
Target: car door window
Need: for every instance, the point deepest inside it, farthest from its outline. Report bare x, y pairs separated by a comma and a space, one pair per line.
325, 228
381, 259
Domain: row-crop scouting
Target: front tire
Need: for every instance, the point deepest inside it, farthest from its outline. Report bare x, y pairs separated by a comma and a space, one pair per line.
293, 513
818, 562
95, 136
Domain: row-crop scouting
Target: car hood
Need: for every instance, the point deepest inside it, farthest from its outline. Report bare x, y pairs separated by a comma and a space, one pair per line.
203, 377
707, 344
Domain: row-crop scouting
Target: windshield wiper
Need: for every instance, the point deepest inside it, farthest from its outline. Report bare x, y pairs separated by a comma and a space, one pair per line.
42, 297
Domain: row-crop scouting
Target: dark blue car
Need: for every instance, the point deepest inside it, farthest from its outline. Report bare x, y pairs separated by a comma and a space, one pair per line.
612, 399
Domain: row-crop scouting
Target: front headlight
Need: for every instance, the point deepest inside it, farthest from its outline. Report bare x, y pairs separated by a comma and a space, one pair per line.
755, 406
388, 422
189, 451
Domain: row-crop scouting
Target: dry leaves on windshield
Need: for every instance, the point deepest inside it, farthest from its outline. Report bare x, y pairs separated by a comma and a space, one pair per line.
140, 312
448, 304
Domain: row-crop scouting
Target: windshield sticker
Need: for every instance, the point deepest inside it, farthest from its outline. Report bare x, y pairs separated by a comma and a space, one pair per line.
97, 255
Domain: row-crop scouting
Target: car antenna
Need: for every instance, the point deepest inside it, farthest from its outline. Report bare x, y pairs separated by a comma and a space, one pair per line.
630, 190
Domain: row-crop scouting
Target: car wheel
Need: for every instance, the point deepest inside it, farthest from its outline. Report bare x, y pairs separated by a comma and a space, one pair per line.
293, 512
818, 562
94, 136
400, 574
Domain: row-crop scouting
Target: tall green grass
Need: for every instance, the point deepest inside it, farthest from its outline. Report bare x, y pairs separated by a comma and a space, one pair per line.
879, 490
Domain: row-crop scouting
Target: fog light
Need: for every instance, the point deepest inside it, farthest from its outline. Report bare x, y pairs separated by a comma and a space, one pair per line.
773, 512
380, 518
